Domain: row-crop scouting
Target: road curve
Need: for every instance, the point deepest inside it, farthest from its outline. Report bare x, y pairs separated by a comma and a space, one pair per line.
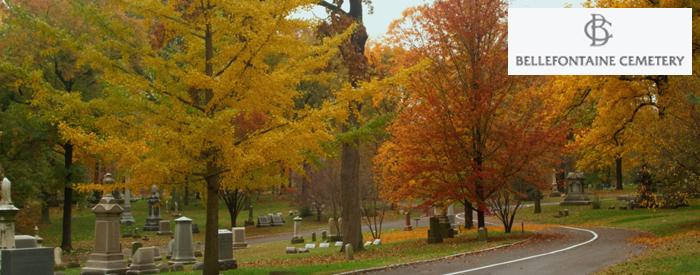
557, 250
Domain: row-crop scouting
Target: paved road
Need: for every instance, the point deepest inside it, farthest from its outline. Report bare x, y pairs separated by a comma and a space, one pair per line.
557, 250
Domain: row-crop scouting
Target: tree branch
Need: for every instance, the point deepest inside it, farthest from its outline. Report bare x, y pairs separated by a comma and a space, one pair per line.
332, 7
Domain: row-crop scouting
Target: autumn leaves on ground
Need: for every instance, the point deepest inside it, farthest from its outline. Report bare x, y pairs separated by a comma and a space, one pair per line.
238, 106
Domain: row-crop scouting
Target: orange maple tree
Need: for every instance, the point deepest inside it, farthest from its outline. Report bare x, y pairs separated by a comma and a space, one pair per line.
466, 130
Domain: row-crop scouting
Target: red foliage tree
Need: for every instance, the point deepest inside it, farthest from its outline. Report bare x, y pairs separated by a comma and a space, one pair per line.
466, 130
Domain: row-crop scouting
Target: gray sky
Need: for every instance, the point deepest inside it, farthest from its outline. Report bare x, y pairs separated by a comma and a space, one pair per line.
386, 11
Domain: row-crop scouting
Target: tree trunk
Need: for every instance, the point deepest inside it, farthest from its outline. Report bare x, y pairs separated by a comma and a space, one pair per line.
213, 178
234, 217
211, 231
538, 205
468, 215
235, 202
350, 194
66, 244
618, 172
356, 62
481, 219
186, 199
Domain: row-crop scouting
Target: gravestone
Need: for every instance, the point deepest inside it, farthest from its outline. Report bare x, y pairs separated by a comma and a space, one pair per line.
25, 241
451, 214
576, 194
153, 219
310, 245
434, 232
555, 186
313, 236
107, 256
30, 260
324, 235
58, 256
482, 234
349, 253
183, 251
297, 238
377, 242
226, 260
334, 230
445, 227
143, 262
127, 217
23, 261
8, 212
164, 228
195, 228
324, 245
277, 220
239, 238
38, 239
249, 221
407, 221
264, 221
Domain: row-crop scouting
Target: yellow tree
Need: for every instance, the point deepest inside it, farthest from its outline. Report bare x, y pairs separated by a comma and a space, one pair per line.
202, 67
633, 113
42, 48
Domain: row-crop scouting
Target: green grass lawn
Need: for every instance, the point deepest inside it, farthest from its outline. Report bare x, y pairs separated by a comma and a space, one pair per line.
661, 222
271, 257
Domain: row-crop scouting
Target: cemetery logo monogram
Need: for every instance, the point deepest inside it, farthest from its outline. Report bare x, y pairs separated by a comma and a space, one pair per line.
598, 38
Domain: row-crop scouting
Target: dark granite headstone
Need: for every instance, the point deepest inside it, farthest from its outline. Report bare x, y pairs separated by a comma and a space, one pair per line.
24, 261
277, 220
264, 221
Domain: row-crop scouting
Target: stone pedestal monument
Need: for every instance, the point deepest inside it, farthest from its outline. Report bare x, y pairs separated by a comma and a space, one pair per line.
8, 212
576, 194
20, 254
153, 219
555, 186
127, 216
407, 221
297, 238
451, 214
183, 250
107, 257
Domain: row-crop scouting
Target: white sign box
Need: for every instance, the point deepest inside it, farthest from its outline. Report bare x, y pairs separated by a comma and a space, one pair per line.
571, 41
